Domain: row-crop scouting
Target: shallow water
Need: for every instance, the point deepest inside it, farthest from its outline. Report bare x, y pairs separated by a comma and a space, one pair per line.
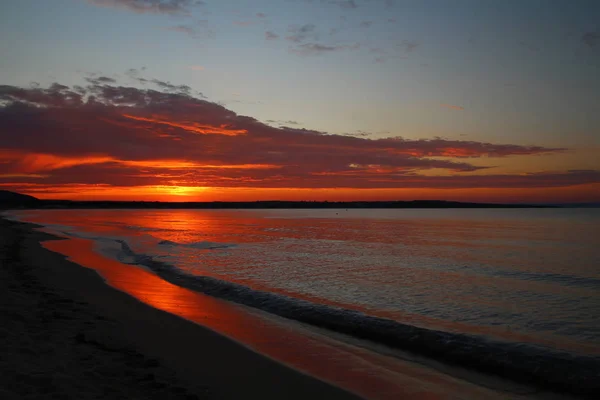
353, 368
511, 276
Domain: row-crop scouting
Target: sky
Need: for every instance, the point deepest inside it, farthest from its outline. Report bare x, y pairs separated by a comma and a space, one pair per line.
187, 100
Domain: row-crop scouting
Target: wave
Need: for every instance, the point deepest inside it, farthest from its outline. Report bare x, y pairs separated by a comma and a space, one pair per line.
543, 277
561, 279
527, 363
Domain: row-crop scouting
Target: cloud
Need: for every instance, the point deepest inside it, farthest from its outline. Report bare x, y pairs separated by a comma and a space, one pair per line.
190, 127
243, 23
315, 48
134, 72
302, 33
183, 29
377, 50
307, 49
166, 86
352, 4
452, 107
279, 122
172, 7
590, 39
106, 134
271, 35
380, 54
408, 45
100, 80
198, 30
348, 4
261, 15
359, 134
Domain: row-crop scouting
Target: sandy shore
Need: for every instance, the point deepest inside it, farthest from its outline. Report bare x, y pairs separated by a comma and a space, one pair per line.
65, 334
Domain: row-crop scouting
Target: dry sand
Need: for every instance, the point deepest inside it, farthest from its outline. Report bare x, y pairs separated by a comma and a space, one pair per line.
65, 334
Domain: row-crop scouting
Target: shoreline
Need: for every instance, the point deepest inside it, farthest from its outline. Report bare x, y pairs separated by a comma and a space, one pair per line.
65, 331
256, 358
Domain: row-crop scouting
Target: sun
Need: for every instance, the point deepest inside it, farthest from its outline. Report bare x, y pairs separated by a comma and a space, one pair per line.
167, 192
184, 190
179, 190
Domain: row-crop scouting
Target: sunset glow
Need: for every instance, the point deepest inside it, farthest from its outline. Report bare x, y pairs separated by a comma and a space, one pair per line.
192, 126
341, 107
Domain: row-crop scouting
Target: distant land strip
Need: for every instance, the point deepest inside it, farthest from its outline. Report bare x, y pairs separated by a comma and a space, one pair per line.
13, 200
66, 204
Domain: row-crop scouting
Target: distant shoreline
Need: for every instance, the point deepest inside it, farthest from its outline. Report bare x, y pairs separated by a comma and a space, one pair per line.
270, 204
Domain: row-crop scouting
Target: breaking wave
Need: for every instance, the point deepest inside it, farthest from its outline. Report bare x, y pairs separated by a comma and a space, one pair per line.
527, 363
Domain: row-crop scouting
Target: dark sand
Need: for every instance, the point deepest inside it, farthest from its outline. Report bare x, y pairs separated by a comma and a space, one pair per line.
65, 334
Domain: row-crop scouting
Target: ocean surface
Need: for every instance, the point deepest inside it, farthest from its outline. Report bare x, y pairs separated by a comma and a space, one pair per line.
515, 292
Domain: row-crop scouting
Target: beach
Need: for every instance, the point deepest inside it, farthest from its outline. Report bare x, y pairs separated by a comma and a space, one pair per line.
79, 321
299, 199
64, 333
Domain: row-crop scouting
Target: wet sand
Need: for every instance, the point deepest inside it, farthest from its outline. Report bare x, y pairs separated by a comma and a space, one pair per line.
64, 333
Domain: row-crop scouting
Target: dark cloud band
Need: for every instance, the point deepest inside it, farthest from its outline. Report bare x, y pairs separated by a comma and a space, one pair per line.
126, 136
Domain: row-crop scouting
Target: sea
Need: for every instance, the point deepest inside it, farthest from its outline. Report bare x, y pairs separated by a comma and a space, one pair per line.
512, 292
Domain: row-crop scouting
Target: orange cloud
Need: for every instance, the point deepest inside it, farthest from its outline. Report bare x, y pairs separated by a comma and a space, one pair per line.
27, 164
173, 164
22, 175
33, 162
105, 137
193, 126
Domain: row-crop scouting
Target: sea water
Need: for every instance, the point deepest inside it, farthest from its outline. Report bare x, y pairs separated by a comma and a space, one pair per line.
509, 290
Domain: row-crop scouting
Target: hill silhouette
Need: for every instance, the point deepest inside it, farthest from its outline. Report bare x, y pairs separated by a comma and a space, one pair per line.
6, 196
10, 199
